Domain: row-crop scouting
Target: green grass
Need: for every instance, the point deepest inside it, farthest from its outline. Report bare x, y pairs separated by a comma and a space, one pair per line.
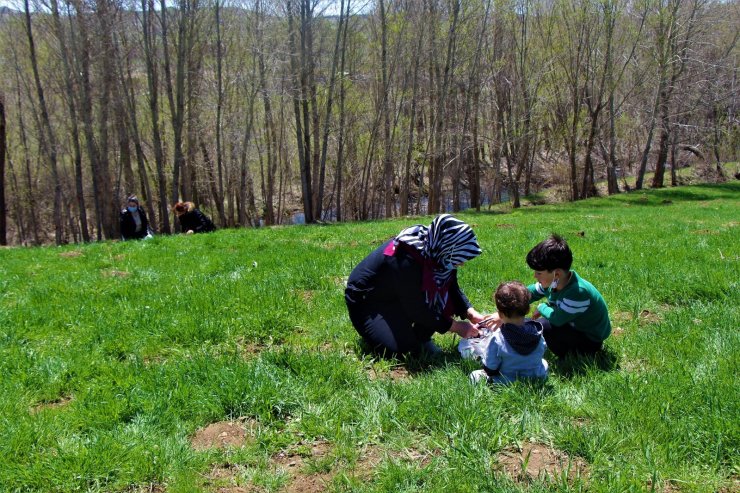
112, 355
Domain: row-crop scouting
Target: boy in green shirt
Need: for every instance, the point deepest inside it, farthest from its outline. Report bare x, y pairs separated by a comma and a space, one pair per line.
575, 318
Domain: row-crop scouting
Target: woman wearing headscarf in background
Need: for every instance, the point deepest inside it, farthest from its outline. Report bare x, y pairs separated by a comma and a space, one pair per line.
134, 223
407, 289
192, 220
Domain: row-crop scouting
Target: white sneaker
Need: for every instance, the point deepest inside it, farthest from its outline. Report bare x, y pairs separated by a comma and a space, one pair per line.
478, 376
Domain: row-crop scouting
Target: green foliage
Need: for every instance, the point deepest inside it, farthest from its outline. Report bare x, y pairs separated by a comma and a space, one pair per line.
114, 354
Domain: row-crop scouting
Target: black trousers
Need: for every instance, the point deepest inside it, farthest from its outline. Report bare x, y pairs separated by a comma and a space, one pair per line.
387, 328
563, 340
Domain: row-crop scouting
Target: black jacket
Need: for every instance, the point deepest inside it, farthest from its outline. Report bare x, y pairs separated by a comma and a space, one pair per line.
380, 280
197, 221
128, 225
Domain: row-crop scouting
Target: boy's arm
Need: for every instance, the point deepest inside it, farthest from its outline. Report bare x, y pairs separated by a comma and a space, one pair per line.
566, 310
536, 292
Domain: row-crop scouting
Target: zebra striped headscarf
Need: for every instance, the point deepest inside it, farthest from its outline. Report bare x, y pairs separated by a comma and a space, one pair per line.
447, 242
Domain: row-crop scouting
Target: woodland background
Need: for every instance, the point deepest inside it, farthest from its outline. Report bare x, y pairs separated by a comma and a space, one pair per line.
259, 110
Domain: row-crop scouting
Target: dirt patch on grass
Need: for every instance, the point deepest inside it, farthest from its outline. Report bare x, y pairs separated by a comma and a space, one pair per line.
224, 478
58, 403
705, 232
339, 281
396, 373
538, 461
420, 458
734, 485
369, 459
224, 434
506, 226
666, 486
648, 317
306, 295
115, 273
643, 318
640, 365
248, 349
148, 488
71, 254
295, 462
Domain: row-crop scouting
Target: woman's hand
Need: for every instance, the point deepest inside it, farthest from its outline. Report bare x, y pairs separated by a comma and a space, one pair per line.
474, 316
464, 329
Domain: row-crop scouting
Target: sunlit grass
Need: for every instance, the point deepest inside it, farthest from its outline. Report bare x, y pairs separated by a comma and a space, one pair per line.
114, 354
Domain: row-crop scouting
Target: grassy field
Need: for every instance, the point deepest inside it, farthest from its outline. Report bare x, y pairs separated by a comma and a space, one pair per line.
226, 363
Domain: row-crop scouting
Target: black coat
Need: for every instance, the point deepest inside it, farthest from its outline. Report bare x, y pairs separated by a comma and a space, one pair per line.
196, 221
381, 282
128, 225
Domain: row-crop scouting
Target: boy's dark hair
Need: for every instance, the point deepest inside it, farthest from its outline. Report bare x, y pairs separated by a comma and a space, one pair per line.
512, 299
553, 253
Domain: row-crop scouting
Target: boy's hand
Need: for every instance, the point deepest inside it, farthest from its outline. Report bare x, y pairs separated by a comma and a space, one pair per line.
536, 314
492, 321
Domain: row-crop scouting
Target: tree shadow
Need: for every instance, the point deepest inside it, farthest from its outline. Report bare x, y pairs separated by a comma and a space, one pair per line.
573, 364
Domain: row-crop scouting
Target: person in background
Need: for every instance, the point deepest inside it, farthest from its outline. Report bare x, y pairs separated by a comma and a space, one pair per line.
134, 223
192, 220
406, 289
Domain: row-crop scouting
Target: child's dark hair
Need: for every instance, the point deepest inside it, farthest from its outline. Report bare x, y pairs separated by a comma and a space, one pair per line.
512, 299
553, 253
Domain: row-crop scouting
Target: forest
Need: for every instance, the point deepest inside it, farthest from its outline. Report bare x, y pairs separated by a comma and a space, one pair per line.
267, 112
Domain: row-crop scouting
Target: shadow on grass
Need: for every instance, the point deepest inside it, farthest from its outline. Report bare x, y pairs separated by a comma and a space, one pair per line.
573, 365
414, 363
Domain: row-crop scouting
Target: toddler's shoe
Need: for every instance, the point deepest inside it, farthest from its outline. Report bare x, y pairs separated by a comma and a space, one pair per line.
478, 376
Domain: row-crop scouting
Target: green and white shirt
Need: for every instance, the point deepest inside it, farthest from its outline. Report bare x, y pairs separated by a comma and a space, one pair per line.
579, 305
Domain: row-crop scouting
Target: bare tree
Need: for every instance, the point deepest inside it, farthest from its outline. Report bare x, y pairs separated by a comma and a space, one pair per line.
147, 8
299, 67
73, 119
47, 136
3, 147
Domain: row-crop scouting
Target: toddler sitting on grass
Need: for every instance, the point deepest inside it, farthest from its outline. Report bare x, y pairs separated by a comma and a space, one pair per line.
516, 348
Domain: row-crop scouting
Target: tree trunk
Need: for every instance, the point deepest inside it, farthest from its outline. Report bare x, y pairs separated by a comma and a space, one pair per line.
436, 170
406, 185
648, 144
110, 198
176, 94
663, 144
71, 106
127, 94
329, 104
27, 174
269, 127
302, 135
3, 146
147, 7
46, 133
219, 111
342, 119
